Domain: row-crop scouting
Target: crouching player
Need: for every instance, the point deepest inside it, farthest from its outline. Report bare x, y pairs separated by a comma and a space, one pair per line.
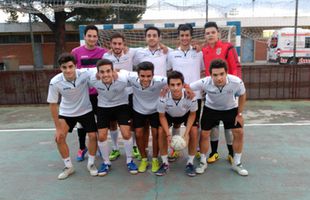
176, 108
112, 105
75, 106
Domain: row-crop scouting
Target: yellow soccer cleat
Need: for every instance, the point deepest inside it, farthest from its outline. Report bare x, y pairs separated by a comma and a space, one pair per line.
213, 158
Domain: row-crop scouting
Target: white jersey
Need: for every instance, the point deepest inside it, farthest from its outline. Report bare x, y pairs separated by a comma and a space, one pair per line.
189, 63
111, 95
74, 95
176, 108
223, 98
157, 57
145, 99
125, 61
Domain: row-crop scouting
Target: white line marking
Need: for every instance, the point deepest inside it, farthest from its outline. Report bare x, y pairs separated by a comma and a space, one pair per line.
53, 129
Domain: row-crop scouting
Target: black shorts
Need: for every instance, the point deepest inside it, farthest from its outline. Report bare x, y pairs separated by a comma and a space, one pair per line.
121, 114
198, 112
178, 120
94, 102
210, 118
139, 120
87, 121
130, 96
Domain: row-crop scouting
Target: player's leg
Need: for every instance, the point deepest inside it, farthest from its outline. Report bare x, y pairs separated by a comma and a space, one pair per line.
135, 150
82, 147
198, 115
115, 153
214, 140
174, 154
154, 122
229, 142
63, 148
192, 149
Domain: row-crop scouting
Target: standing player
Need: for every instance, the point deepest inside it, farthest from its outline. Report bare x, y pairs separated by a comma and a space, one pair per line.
176, 108
74, 107
221, 90
120, 60
189, 62
112, 105
146, 90
87, 56
216, 49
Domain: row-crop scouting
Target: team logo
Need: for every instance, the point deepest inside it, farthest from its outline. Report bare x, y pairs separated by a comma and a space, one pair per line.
218, 51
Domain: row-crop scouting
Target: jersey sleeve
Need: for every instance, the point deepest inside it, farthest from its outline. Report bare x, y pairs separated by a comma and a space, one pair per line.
53, 93
241, 88
194, 106
234, 67
169, 62
161, 105
197, 85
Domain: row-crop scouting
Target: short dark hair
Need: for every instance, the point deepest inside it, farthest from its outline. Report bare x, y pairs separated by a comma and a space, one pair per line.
66, 57
145, 66
104, 62
175, 75
211, 24
185, 27
90, 27
152, 28
217, 64
117, 35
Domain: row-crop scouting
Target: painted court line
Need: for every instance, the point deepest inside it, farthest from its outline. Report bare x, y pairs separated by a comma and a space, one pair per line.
53, 129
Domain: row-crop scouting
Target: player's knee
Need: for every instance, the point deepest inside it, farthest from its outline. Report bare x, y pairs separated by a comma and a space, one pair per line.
238, 133
126, 136
92, 136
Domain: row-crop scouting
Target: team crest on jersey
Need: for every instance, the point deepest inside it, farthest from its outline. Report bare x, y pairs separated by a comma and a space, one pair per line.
218, 51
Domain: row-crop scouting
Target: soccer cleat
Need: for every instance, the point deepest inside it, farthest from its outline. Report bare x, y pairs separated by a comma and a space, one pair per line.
230, 159
81, 155
197, 155
114, 154
213, 158
143, 165
92, 170
201, 168
136, 153
190, 170
132, 168
67, 171
104, 169
174, 155
162, 170
155, 165
240, 169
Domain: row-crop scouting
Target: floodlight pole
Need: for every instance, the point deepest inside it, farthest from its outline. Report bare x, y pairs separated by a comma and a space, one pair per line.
32, 41
207, 9
295, 33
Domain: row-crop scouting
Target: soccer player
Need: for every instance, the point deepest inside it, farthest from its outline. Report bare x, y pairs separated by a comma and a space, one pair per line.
176, 108
221, 90
146, 90
215, 49
121, 60
189, 62
72, 85
112, 105
87, 56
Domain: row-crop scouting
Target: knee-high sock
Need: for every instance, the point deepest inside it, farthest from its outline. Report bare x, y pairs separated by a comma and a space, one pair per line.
128, 149
114, 137
104, 149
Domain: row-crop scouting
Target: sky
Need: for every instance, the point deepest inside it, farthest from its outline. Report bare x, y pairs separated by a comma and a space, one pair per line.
177, 9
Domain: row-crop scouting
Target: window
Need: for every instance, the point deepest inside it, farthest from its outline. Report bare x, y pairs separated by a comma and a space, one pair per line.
307, 42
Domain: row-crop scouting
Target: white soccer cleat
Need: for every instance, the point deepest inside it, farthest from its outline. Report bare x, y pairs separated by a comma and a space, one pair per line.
240, 170
92, 170
201, 168
67, 171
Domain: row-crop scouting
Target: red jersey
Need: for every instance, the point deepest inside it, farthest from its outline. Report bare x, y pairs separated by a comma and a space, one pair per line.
225, 51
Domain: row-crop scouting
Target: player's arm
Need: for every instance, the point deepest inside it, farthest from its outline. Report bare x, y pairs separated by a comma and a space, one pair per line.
241, 104
164, 123
190, 121
233, 62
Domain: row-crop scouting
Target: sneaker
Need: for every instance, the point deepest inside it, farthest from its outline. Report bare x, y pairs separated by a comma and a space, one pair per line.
67, 171
240, 170
143, 165
155, 165
162, 170
114, 154
104, 169
230, 159
201, 168
92, 170
81, 155
132, 168
197, 155
136, 153
190, 170
174, 155
213, 158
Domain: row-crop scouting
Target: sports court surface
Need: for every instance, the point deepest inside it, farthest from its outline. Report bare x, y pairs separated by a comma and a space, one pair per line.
276, 154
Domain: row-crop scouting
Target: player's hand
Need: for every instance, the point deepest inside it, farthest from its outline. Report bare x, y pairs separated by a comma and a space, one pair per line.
196, 46
186, 138
97, 76
164, 48
239, 119
126, 49
189, 93
164, 91
115, 75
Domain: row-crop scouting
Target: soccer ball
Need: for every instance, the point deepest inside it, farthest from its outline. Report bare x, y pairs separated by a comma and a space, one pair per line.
177, 142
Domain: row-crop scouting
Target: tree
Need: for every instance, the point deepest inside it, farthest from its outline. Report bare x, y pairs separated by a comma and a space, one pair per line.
55, 13
13, 16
